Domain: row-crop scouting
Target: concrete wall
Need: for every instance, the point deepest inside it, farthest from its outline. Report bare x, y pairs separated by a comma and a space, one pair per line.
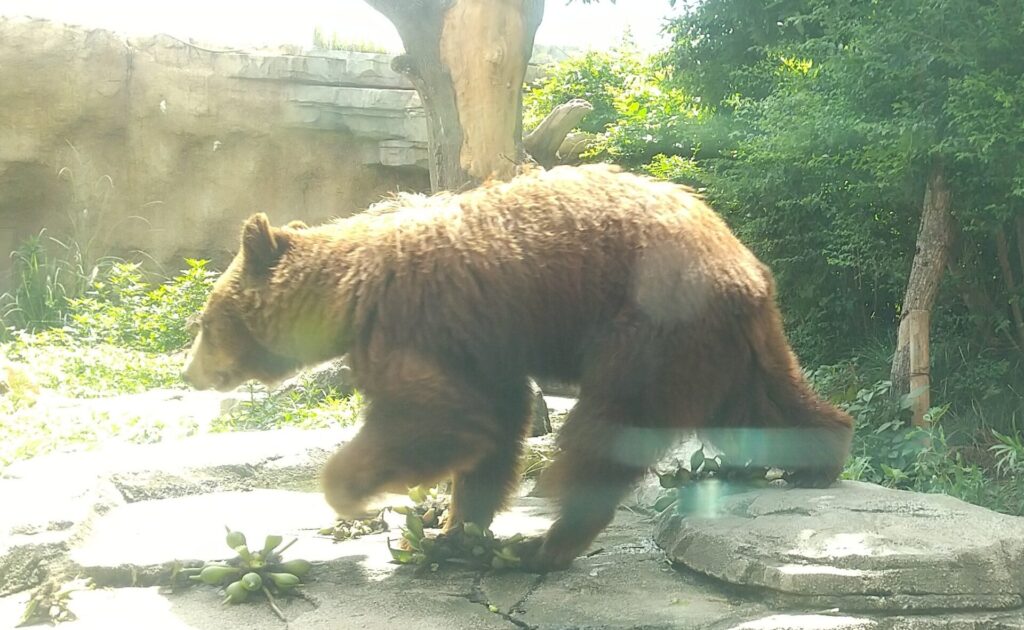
160, 146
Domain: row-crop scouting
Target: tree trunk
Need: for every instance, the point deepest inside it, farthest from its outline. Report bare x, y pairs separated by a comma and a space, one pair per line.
467, 60
1020, 241
910, 366
544, 142
963, 270
1009, 281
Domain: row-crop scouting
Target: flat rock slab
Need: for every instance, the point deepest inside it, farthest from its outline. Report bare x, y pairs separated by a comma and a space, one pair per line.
58, 497
856, 546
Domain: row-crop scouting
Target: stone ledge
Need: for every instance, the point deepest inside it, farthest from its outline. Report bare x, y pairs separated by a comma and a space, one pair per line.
856, 546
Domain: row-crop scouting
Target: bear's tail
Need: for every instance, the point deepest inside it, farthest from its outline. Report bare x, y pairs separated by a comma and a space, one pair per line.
773, 418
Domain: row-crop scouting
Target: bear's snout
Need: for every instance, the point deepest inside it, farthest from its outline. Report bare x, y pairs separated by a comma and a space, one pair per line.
195, 376
188, 374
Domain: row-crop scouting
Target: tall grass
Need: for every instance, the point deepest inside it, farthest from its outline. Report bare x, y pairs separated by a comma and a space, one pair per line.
44, 284
333, 41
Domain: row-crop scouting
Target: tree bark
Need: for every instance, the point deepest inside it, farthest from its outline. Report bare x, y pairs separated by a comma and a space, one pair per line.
544, 142
467, 60
1020, 241
1003, 255
980, 307
910, 366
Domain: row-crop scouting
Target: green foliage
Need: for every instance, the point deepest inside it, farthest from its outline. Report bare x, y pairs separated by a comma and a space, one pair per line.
57, 362
117, 339
303, 407
724, 48
43, 284
601, 78
887, 450
1009, 452
470, 545
812, 126
121, 309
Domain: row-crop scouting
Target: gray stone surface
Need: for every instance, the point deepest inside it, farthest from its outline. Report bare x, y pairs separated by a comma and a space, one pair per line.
58, 498
776, 558
856, 546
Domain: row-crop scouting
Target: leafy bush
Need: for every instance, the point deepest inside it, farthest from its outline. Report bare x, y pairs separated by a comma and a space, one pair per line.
121, 309
604, 79
888, 451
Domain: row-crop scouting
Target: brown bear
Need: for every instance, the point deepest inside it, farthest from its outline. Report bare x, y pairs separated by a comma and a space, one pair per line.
631, 288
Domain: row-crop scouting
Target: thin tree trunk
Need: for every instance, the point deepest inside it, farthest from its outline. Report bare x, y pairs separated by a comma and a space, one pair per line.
467, 60
1020, 241
1003, 255
978, 303
910, 367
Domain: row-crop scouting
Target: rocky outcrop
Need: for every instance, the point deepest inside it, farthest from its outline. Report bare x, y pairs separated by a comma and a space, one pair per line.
857, 547
156, 145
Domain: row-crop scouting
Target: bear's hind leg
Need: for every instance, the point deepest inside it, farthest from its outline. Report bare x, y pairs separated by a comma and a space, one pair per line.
602, 458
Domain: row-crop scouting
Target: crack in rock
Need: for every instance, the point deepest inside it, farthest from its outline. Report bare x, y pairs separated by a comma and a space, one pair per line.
477, 596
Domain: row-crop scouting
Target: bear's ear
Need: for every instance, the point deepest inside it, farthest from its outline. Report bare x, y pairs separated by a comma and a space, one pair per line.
261, 247
297, 225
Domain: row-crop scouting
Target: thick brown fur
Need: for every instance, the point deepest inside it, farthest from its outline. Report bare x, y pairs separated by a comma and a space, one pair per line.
633, 289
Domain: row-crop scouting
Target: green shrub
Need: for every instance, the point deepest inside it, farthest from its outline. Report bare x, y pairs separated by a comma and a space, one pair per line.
121, 309
889, 451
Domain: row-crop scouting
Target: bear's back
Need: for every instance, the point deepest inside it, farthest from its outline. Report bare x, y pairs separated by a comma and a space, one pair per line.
530, 268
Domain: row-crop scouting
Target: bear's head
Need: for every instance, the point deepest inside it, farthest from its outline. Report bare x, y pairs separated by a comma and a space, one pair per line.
240, 328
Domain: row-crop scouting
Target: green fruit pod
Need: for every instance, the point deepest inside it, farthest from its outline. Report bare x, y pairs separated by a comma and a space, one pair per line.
215, 574
271, 543
284, 581
507, 554
235, 539
252, 581
297, 567
236, 593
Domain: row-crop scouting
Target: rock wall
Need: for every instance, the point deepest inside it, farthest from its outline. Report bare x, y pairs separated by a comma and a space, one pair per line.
157, 149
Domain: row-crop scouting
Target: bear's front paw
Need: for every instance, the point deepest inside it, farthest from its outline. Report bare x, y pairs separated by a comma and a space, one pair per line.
538, 556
